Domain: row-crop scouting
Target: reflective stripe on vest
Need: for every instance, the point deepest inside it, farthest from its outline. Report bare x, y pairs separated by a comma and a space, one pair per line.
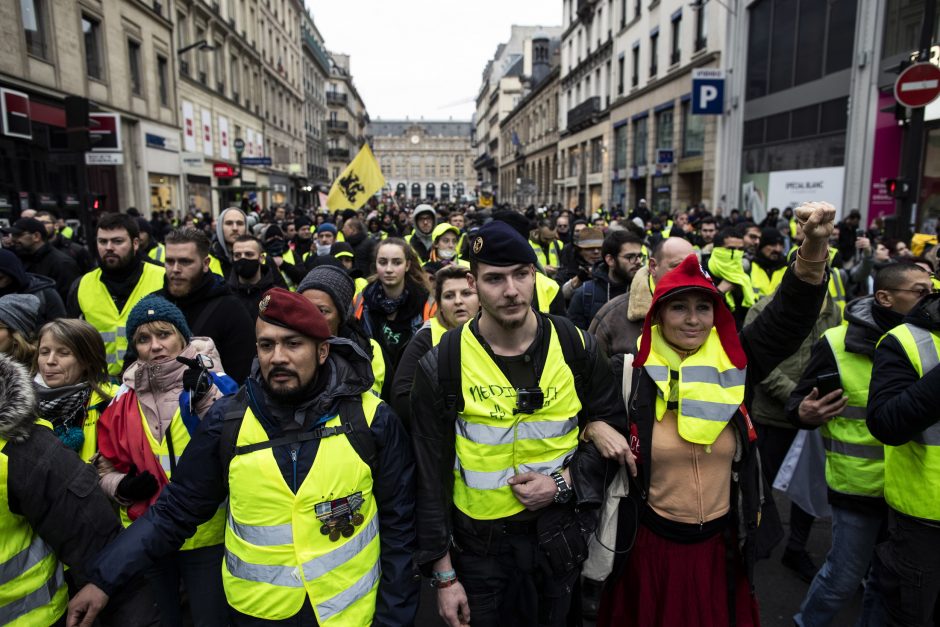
32, 585
912, 470
98, 309
709, 395
277, 555
208, 533
493, 443
854, 457
156, 253
546, 260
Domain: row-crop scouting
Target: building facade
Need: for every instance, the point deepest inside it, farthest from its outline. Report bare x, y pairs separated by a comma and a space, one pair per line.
118, 58
316, 74
347, 119
425, 160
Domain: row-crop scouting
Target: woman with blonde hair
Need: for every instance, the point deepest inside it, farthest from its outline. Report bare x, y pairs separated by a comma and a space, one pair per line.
71, 383
19, 318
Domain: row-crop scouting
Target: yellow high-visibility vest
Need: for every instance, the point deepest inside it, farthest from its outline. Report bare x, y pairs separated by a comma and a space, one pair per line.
546, 289
157, 253
96, 405
215, 266
208, 533
282, 548
855, 459
437, 330
378, 367
764, 284
32, 584
837, 290
551, 259
494, 442
912, 470
711, 389
98, 310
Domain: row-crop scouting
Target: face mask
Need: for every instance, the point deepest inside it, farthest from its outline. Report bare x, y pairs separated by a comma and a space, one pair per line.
444, 253
246, 268
323, 249
276, 247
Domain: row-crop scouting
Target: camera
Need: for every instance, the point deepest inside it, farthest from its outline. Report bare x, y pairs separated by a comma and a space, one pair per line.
529, 400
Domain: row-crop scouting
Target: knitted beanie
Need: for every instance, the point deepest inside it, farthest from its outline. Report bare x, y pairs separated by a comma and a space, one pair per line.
155, 308
335, 282
20, 312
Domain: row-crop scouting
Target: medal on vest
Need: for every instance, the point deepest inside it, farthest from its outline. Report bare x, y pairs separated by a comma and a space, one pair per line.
340, 517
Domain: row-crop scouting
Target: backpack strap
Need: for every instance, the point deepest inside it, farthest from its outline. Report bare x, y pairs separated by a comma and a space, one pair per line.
587, 298
231, 423
574, 350
353, 421
448, 369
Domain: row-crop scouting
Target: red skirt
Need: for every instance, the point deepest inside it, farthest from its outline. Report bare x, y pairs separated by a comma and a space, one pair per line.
666, 584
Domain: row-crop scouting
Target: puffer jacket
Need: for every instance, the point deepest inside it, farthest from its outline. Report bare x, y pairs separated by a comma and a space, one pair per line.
772, 394
158, 387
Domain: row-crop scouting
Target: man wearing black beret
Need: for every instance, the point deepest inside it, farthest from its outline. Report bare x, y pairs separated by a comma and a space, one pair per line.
497, 410
318, 479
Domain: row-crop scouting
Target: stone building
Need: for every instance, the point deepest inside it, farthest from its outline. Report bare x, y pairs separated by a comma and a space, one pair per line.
425, 160
316, 64
347, 119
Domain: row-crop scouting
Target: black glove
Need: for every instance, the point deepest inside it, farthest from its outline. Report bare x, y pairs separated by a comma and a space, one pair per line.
137, 487
196, 379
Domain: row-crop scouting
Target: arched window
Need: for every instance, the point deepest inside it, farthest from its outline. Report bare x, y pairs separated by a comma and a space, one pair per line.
430, 191
416, 190
445, 191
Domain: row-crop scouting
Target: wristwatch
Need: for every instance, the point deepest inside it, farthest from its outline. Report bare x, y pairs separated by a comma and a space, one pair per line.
564, 493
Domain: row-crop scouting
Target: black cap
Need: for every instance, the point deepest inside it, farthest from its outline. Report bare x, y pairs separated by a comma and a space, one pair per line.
499, 244
27, 225
770, 237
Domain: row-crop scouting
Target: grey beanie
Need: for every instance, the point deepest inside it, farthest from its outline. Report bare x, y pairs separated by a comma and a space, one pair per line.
20, 312
335, 282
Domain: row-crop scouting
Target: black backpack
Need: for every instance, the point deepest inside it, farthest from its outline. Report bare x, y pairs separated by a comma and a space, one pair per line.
571, 338
353, 425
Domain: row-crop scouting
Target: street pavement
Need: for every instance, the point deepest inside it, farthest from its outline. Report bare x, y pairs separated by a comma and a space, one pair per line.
779, 590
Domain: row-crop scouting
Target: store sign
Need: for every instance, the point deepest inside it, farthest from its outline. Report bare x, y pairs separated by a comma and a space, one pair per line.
664, 156
159, 142
105, 132
104, 158
223, 171
14, 106
192, 159
791, 188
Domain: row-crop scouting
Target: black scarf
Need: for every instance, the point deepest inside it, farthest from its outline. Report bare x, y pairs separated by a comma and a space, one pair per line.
65, 407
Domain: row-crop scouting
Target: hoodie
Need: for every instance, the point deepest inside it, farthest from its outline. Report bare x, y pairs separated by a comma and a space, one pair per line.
600, 289
23, 282
219, 248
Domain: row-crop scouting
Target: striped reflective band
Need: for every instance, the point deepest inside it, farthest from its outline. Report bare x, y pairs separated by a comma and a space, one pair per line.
709, 374
24, 560
658, 373
340, 555
854, 450
927, 351
284, 576
929, 437
34, 600
540, 430
112, 358
332, 607
854, 413
262, 535
109, 336
500, 478
707, 410
165, 463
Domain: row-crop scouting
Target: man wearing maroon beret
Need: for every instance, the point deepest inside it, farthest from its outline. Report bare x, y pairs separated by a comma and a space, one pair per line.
318, 479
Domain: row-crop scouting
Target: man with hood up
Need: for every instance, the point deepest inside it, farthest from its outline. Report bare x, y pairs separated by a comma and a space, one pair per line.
422, 239
231, 224
14, 279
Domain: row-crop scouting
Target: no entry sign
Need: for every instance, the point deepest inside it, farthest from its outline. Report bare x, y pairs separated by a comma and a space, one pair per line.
918, 85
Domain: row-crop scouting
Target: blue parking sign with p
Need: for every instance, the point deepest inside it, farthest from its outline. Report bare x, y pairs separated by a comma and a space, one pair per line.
708, 92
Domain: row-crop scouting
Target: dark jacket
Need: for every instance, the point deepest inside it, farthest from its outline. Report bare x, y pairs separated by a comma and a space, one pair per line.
77, 252
200, 486
250, 295
861, 337
363, 250
405, 373
900, 403
58, 495
434, 437
211, 310
588, 299
393, 335
22, 282
774, 335
55, 264
218, 250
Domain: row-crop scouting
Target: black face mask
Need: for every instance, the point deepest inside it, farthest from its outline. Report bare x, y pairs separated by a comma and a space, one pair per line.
246, 268
276, 247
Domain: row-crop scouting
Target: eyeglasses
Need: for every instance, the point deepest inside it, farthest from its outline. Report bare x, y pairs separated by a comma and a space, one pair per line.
921, 292
632, 257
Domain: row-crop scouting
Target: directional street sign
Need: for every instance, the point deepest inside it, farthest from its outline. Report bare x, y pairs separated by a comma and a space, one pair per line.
918, 85
239, 145
256, 161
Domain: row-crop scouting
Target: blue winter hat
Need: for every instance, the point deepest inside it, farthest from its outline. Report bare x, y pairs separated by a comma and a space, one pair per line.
155, 308
329, 227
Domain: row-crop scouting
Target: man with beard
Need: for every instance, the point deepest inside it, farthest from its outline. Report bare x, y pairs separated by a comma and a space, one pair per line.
622, 257
30, 243
302, 235
319, 482
769, 264
288, 263
544, 241
251, 275
421, 240
230, 225
105, 296
211, 310
498, 407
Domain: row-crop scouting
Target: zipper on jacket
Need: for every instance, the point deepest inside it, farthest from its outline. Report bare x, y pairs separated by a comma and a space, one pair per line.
293, 458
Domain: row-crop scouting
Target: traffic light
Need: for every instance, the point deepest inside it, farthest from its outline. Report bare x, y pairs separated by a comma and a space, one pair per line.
897, 188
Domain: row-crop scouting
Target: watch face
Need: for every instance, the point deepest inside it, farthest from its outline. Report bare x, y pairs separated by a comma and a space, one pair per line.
415, 139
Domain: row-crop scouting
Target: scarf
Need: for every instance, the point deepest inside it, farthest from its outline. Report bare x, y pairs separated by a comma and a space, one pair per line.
65, 407
385, 304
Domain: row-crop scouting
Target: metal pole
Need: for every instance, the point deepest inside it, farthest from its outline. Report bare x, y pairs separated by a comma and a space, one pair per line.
914, 138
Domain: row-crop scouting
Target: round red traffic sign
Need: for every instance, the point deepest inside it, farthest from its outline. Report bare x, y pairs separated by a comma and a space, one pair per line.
918, 85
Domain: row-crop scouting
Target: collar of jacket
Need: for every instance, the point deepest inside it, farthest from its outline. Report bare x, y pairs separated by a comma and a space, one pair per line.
641, 298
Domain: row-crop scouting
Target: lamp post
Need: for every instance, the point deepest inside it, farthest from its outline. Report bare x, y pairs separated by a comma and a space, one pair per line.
202, 44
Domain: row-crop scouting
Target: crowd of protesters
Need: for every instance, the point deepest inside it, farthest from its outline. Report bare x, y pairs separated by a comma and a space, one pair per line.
295, 416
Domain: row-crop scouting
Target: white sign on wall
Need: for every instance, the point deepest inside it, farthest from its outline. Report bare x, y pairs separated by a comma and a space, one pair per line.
207, 132
790, 188
224, 151
189, 127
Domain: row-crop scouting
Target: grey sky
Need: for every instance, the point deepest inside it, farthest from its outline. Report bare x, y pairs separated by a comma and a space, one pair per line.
423, 57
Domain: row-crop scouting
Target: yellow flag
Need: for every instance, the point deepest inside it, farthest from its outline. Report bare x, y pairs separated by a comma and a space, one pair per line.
361, 178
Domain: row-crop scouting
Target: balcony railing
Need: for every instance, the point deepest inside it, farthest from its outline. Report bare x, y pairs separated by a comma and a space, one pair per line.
338, 153
337, 126
336, 98
583, 114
